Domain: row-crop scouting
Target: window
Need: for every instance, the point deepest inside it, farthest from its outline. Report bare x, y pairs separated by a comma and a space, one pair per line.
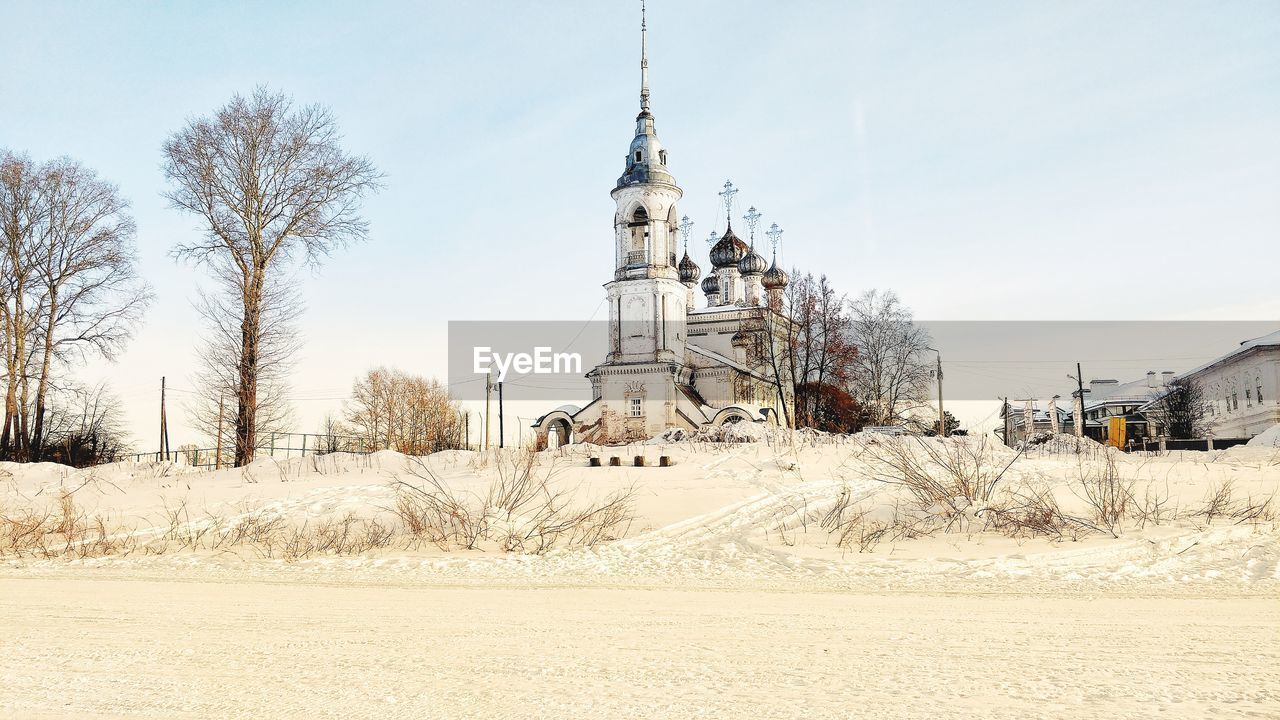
1235, 401
662, 156
638, 156
1226, 405
1258, 381
1248, 397
637, 407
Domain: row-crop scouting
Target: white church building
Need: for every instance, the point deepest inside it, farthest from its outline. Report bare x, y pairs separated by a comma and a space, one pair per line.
1242, 388
671, 363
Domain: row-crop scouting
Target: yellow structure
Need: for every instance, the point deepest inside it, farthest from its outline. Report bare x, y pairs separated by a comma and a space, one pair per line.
1116, 432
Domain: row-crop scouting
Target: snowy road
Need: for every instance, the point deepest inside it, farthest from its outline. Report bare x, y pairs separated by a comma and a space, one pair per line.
74, 645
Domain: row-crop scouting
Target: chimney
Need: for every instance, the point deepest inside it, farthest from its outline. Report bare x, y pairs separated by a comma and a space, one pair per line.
1166, 377
1151, 378
1101, 388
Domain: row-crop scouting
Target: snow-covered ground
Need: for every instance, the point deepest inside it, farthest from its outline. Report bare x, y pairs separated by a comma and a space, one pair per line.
728, 595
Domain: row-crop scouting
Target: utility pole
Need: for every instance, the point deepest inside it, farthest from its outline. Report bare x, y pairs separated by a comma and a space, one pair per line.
217, 451
488, 389
1006, 420
501, 435
942, 415
164, 427
1077, 408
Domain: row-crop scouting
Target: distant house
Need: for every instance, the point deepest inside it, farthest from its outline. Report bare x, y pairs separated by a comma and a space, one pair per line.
1104, 400
1242, 388
1132, 401
1041, 420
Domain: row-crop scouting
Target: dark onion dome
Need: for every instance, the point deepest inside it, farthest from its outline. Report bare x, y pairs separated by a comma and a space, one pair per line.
752, 264
775, 278
711, 285
728, 251
689, 270
740, 340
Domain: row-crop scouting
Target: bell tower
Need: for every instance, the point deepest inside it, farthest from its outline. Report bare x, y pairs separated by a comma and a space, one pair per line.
647, 301
644, 376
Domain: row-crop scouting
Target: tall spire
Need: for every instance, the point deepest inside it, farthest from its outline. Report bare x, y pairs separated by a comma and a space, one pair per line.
644, 63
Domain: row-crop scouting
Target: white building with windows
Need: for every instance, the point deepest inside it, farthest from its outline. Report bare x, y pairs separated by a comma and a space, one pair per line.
1242, 388
669, 362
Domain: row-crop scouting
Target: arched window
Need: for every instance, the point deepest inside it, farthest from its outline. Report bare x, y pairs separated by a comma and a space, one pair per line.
639, 226
639, 156
1258, 381
662, 156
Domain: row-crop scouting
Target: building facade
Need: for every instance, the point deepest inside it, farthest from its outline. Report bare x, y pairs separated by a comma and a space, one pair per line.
1242, 388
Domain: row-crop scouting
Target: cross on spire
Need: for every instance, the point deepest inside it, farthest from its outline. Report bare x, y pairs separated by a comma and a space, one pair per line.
713, 238
686, 227
753, 219
727, 195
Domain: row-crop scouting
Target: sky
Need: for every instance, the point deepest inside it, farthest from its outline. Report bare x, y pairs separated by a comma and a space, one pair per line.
984, 160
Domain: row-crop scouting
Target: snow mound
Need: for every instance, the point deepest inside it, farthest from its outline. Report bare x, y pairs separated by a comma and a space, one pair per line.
742, 432
1269, 438
1063, 443
739, 432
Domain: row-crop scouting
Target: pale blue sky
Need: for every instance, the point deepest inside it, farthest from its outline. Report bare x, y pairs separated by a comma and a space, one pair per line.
971, 156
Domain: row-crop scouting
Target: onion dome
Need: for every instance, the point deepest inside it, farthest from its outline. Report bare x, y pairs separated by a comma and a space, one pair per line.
775, 278
740, 340
711, 285
689, 270
752, 264
728, 251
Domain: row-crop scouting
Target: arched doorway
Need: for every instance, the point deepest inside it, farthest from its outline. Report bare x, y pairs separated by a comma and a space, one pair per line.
555, 429
559, 433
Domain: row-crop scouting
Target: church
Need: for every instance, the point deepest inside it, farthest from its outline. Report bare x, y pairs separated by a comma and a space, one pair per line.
671, 363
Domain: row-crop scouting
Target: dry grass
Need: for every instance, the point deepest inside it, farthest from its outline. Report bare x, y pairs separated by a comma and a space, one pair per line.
64, 531
1108, 496
962, 487
850, 526
520, 511
1221, 503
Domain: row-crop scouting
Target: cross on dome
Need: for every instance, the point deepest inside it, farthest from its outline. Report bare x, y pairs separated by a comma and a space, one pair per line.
775, 236
752, 219
727, 195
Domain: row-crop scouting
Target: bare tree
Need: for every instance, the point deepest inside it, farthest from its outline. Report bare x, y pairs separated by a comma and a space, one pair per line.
217, 381
271, 184
85, 427
814, 348
391, 409
891, 373
333, 435
827, 354
70, 289
19, 215
84, 258
1182, 410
